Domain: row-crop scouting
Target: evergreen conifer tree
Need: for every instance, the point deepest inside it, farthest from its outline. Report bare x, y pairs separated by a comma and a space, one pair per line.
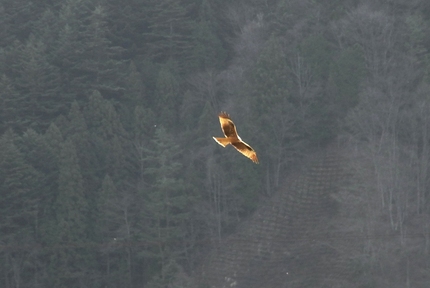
8, 103
133, 96
70, 258
78, 132
42, 158
109, 136
167, 203
170, 32
208, 51
38, 85
167, 97
84, 52
54, 139
274, 110
19, 203
112, 213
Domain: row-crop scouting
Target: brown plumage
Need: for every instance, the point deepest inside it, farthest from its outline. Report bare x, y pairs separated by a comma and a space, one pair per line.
231, 137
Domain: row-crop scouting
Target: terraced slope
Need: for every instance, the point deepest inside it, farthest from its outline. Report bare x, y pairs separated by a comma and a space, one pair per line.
288, 242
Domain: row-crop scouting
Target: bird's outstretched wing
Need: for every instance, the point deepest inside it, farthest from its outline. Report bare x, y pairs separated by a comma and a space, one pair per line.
231, 137
227, 126
246, 150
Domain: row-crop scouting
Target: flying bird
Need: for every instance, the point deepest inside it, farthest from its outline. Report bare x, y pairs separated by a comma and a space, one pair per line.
232, 138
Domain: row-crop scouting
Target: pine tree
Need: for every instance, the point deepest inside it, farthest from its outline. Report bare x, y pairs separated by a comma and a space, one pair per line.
37, 151
108, 194
273, 109
19, 203
37, 82
144, 123
84, 52
78, 132
13, 12
106, 224
270, 79
90, 164
167, 203
46, 28
54, 139
93, 113
133, 96
67, 55
42, 158
70, 260
109, 136
136, 89
170, 32
105, 70
19, 199
208, 52
167, 97
8, 103
71, 206
114, 227
143, 131
126, 22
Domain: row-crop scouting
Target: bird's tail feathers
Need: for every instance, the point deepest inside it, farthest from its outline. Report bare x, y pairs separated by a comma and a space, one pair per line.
222, 141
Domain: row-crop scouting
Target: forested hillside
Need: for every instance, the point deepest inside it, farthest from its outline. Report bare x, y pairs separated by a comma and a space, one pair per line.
109, 176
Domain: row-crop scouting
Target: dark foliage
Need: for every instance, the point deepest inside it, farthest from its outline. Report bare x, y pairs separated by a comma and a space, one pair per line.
109, 176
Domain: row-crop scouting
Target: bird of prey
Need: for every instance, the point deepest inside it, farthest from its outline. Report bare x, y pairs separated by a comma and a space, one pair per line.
232, 138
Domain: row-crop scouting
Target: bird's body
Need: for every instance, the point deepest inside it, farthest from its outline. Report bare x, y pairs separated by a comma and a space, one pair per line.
232, 138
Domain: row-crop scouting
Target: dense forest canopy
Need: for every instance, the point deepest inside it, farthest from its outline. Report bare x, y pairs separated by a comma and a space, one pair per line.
109, 176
